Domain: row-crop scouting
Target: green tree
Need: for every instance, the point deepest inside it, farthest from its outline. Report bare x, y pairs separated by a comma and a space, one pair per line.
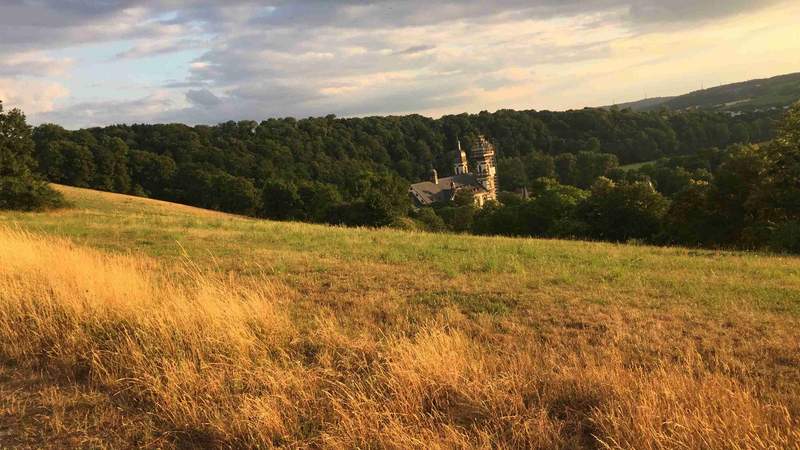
76, 163
234, 194
383, 202
566, 168
430, 220
464, 197
20, 186
458, 218
776, 202
318, 200
625, 211
552, 212
111, 165
280, 201
590, 166
495, 218
691, 219
735, 184
152, 172
780, 195
49, 160
539, 165
511, 174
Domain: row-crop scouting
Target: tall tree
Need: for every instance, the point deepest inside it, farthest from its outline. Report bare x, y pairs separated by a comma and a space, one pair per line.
619, 212
111, 165
781, 195
20, 186
777, 202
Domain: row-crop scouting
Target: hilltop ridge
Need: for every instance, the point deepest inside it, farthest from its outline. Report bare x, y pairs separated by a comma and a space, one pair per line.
762, 94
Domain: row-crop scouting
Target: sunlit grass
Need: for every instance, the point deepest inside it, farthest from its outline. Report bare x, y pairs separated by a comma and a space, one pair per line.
128, 323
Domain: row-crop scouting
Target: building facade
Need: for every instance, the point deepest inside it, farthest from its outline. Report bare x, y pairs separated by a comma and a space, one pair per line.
482, 183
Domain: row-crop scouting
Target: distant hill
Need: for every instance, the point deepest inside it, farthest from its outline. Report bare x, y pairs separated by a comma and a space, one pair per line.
647, 104
747, 96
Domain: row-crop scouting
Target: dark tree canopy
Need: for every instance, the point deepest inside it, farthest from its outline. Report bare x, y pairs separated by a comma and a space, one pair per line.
21, 187
707, 180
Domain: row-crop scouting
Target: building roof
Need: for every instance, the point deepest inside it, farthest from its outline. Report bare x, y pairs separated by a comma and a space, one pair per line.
428, 192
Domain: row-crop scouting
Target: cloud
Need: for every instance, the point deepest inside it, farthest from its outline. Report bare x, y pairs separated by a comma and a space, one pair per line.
388, 13
33, 64
416, 49
202, 97
32, 96
108, 112
158, 47
260, 58
682, 11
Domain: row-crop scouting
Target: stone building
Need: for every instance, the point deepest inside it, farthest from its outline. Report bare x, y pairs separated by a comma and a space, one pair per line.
482, 182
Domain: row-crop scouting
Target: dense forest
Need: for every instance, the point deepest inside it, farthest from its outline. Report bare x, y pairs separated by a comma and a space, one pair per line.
705, 172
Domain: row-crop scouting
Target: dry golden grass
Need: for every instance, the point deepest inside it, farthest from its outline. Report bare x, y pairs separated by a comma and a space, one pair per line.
110, 350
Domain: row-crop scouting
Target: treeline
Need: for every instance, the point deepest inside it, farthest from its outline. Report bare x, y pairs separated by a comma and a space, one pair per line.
356, 171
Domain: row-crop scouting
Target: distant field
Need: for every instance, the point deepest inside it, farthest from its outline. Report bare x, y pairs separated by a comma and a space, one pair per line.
127, 322
636, 166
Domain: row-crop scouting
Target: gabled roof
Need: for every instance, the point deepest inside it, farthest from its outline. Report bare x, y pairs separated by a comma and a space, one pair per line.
427, 192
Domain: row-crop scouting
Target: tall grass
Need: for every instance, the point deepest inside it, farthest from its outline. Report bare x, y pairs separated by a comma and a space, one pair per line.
193, 358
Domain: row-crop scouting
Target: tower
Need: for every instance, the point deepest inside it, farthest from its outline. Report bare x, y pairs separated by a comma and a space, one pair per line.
483, 154
461, 165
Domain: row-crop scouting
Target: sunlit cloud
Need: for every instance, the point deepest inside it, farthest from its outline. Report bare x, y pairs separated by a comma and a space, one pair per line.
247, 59
35, 96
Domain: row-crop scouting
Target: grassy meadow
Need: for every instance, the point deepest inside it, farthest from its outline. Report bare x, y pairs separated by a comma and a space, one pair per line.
129, 323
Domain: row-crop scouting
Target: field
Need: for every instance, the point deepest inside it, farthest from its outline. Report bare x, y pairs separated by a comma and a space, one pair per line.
128, 323
636, 166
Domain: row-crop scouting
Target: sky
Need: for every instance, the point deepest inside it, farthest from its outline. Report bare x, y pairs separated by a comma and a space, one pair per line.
82, 63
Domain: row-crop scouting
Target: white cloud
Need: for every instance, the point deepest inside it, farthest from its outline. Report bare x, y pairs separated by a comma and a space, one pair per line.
32, 96
33, 63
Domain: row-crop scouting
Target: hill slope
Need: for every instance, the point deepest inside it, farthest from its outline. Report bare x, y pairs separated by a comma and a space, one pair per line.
761, 94
162, 325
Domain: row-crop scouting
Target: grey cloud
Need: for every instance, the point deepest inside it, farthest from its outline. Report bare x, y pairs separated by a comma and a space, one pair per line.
43, 16
415, 49
147, 49
174, 84
652, 11
58, 13
403, 99
35, 67
97, 113
296, 57
389, 13
202, 97
57, 23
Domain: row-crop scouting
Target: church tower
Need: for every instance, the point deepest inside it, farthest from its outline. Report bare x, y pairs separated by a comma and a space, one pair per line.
483, 153
461, 165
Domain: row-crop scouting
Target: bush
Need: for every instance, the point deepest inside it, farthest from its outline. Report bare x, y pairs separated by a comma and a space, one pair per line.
28, 194
428, 218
